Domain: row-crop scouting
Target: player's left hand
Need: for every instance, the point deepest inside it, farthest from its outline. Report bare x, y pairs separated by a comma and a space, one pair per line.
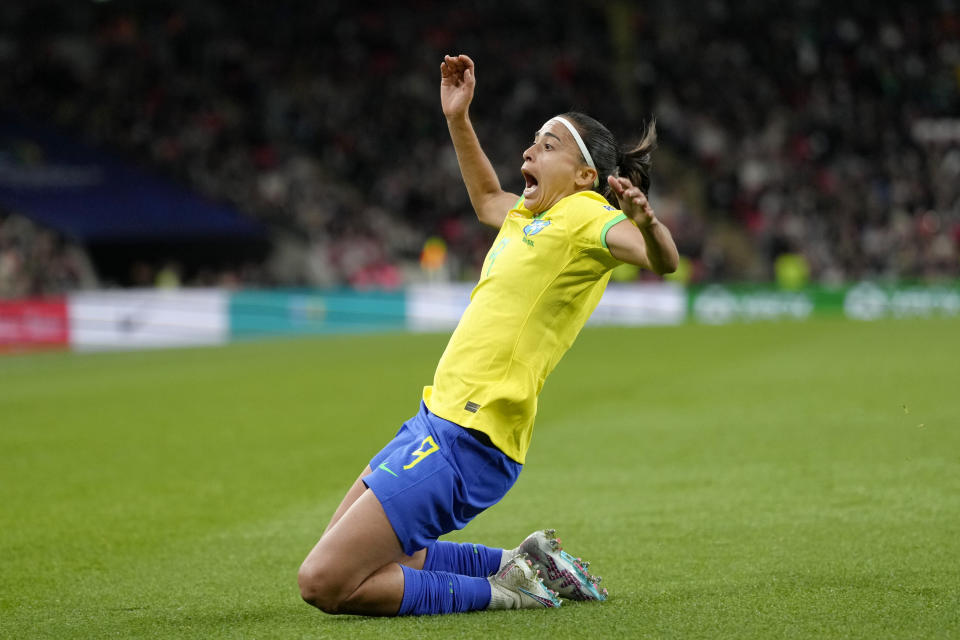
633, 202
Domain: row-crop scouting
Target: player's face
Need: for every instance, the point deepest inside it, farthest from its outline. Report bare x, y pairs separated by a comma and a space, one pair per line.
551, 167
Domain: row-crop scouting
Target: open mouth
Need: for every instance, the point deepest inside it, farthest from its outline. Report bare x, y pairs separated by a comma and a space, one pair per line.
531, 183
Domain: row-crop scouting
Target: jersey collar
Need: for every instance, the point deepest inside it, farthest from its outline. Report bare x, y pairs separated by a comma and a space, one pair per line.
526, 213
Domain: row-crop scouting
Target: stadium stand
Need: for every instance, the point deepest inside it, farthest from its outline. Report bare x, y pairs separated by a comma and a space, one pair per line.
822, 130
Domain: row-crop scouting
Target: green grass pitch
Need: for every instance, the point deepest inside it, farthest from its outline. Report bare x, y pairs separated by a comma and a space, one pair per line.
751, 481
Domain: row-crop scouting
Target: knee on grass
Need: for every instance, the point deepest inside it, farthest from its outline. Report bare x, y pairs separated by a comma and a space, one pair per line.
322, 588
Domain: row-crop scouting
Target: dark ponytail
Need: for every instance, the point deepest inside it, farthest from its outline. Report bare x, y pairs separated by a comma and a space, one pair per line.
609, 160
635, 163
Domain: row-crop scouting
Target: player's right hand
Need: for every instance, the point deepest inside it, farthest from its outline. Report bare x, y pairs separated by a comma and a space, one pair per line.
457, 82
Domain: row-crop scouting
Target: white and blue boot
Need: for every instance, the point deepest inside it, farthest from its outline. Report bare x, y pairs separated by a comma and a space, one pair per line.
517, 585
560, 571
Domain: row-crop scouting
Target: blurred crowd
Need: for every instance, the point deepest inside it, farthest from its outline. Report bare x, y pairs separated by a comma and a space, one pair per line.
35, 260
817, 130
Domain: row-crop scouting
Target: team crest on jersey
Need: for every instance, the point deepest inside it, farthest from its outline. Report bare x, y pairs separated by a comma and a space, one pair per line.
535, 227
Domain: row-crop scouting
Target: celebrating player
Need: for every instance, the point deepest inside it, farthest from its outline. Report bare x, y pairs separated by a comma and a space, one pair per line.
464, 449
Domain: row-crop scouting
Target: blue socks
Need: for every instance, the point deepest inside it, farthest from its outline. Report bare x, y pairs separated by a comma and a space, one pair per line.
467, 559
453, 579
433, 592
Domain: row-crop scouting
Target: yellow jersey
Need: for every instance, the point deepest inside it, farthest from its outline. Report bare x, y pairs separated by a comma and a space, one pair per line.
541, 280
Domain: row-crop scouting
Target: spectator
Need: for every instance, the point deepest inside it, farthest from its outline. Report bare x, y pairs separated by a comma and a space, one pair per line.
35, 261
783, 129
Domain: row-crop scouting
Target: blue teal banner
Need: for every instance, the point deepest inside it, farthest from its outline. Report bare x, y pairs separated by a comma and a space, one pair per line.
92, 196
256, 314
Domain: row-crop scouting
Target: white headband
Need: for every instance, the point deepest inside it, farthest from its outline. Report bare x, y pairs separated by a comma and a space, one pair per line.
583, 147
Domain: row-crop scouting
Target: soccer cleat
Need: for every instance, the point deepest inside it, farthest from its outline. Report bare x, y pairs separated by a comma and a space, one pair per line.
518, 586
560, 571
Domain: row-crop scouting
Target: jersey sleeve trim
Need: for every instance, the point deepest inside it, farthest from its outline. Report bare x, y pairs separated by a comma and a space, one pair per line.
606, 228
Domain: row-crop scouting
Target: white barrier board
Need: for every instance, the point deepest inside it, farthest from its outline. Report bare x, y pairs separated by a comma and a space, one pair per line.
439, 307
145, 318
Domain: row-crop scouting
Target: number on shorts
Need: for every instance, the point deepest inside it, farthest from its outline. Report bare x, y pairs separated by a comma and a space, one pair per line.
423, 452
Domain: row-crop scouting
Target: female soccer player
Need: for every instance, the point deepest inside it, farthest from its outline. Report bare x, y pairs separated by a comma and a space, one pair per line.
463, 450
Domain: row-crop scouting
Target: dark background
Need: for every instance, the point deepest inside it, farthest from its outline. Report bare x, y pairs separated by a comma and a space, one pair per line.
801, 129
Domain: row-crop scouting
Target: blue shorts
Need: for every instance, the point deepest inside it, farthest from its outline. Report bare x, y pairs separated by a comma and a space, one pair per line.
435, 477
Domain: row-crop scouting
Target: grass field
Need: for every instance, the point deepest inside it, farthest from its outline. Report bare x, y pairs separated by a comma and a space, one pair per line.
752, 481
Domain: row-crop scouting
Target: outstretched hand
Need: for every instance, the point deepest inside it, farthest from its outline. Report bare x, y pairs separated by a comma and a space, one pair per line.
457, 82
633, 202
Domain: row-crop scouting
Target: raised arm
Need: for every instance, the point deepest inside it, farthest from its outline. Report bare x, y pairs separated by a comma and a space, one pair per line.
649, 244
489, 200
